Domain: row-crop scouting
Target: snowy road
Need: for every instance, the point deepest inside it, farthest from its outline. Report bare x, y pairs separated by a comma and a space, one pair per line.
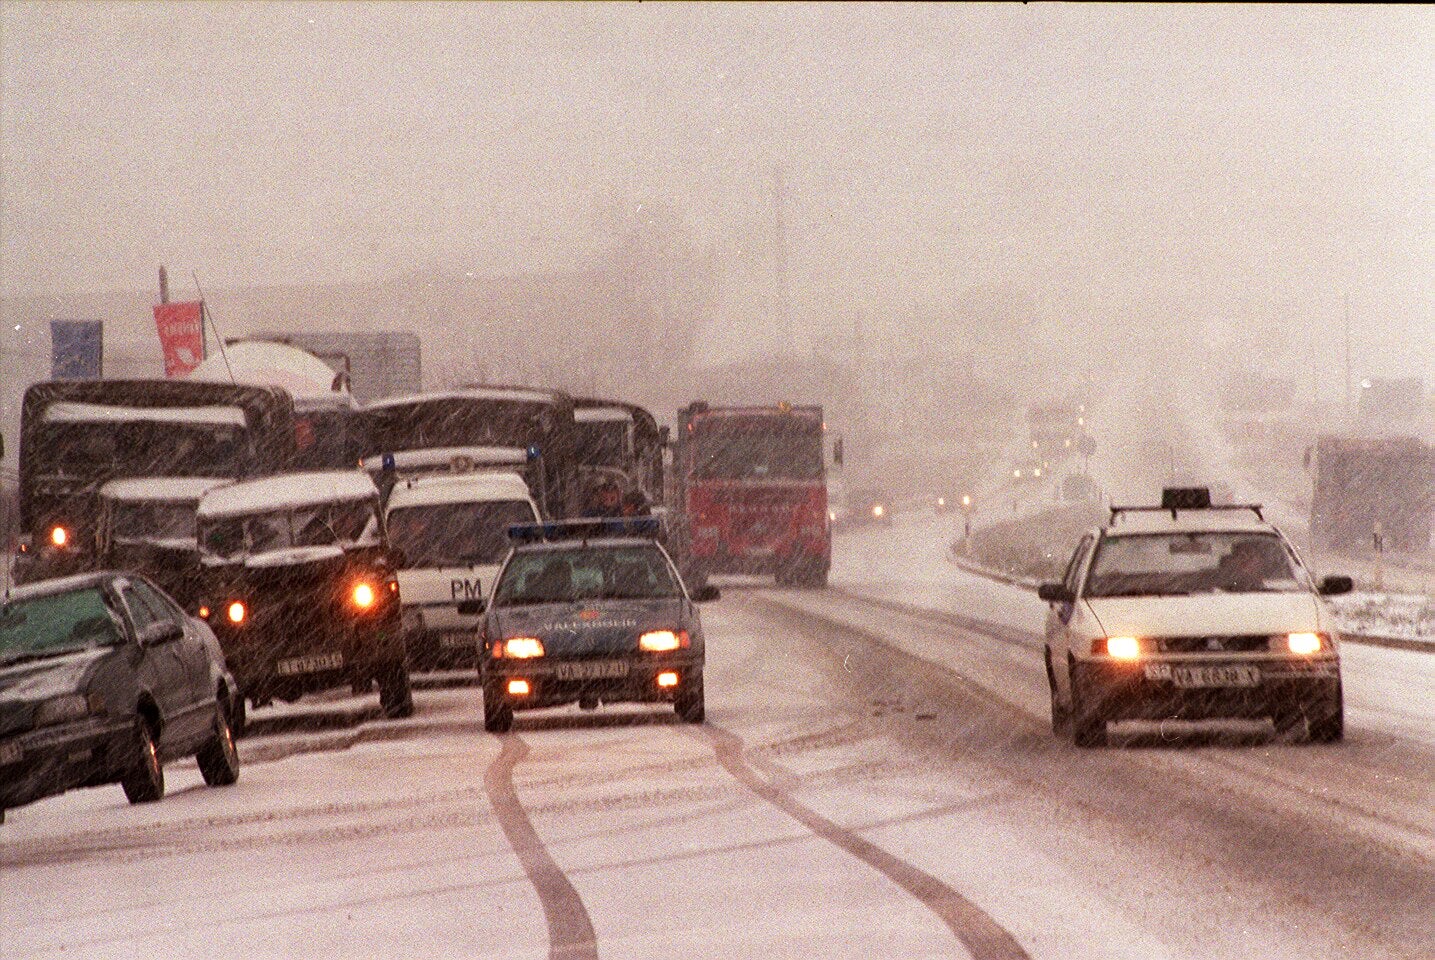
845, 800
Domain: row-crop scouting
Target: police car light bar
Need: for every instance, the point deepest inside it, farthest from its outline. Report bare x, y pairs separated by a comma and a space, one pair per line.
589, 529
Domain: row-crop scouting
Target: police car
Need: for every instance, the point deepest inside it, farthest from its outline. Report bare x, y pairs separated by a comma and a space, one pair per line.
452, 530
1189, 611
591, 611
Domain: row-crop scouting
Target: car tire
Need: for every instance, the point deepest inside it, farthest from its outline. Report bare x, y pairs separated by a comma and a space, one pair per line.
143, 782
1326, 721
689, 704
219, 757
238, 715
1088, 723
497, 714
396, 695
1060, 717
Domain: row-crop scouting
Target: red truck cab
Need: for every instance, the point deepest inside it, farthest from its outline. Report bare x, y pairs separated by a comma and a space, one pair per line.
751, 493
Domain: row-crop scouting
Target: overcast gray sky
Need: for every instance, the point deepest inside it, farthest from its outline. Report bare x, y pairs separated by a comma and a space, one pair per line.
1118, 165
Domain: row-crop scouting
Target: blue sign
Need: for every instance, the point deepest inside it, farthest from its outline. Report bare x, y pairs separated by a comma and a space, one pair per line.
77, 349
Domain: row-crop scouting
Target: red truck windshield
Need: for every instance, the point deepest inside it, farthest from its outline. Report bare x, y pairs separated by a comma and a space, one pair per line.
758, 448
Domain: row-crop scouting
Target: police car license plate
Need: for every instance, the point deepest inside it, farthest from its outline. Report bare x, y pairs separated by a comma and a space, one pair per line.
1215, 676
458, 638
314, 664
599, 670
10, 752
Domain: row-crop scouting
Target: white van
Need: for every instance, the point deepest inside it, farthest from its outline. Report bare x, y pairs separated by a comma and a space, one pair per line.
453, 531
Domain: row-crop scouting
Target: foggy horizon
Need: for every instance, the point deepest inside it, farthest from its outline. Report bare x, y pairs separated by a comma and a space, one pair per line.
1194, 164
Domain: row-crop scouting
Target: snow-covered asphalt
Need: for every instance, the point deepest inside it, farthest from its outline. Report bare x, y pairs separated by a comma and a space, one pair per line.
877, 779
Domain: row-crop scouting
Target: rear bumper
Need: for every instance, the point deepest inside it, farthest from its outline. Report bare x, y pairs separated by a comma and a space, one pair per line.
549, 689
762, 562
1153, 690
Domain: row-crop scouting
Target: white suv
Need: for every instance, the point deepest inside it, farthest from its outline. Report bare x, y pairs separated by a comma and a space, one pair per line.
1188, 611
453, 531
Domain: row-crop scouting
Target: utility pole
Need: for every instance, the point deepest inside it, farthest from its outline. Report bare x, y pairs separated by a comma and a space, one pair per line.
779, 201
163, 285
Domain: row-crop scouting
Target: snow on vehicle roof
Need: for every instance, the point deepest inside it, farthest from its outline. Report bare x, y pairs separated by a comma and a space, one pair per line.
464, 393
446, 456
161, 488
459, 488
262, 362
602, 415
286, 491
75, 581
70, 412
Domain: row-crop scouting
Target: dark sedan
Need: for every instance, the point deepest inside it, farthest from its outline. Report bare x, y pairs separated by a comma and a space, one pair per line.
102, 679
589, 612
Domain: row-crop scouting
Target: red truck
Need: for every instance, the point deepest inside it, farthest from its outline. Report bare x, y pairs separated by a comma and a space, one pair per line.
750, 493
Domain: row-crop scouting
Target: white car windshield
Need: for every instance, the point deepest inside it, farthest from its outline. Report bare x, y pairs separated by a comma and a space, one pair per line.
1185, 563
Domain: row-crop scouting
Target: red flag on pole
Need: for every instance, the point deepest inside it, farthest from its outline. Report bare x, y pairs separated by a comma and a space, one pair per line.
181, 336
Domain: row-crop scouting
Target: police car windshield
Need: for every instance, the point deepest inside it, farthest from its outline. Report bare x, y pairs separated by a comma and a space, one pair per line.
586, 573
1189, 563
454, 534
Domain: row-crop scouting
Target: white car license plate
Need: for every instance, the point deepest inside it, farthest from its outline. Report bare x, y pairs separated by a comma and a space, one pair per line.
10, 752
1215, 676
458, 638
599, 670
314, 664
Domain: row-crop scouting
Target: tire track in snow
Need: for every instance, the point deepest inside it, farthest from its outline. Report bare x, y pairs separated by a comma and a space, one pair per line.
983, 937
570, 929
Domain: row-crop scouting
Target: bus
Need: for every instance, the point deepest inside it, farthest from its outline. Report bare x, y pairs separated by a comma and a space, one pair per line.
476, 423
623, 442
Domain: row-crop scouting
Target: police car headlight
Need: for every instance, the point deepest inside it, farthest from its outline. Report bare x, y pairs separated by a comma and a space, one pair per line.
1119, 648
662, 641
1304, 643
518, 648
73, 706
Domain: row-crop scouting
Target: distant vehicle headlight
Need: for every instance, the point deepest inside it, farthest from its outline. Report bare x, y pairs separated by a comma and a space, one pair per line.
660, 641
1304, 643
878, 510
519, 648
59, 536
236, 611
72, 706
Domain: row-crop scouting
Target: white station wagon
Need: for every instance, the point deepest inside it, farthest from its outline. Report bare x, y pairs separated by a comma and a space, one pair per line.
1188, 611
